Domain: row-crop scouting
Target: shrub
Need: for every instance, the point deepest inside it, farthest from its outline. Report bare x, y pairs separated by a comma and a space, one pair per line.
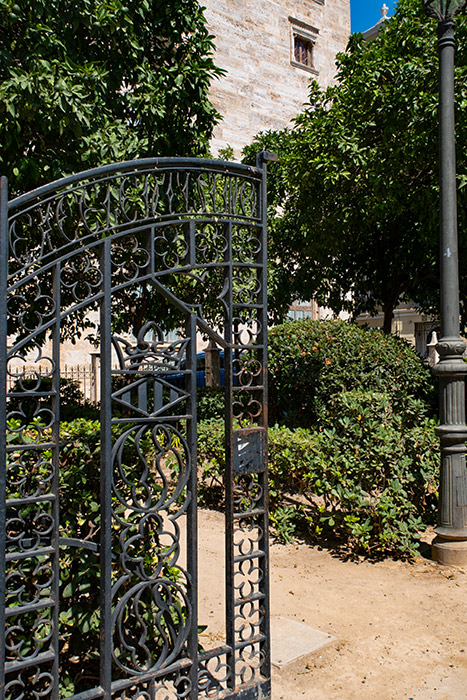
73, 404
311, 361
365, 481
79, 520
211, 463
378, 483
211, 402
371, 472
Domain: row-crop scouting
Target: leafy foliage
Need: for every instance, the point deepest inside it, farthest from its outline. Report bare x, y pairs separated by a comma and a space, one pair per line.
89, 82
73, 404
368, 481
211, 402
380, 471
354, 197
83, 83
310, 362
354, 456
211, 456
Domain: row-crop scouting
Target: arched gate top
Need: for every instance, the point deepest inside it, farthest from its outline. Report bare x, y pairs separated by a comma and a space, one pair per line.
52, 221
141, 164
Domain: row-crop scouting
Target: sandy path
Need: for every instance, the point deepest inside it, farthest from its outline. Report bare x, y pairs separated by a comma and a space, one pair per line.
402, 628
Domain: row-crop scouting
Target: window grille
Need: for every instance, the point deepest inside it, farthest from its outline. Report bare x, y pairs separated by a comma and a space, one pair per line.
303, 51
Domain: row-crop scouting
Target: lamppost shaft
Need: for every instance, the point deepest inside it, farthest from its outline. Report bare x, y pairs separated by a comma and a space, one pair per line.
448, 187
450, 545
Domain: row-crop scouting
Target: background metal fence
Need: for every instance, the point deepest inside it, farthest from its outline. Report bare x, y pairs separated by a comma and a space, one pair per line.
85, 376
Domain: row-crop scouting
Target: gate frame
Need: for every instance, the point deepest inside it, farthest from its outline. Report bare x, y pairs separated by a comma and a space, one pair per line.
258, 688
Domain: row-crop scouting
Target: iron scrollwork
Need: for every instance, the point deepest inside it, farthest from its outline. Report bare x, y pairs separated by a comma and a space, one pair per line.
190, 234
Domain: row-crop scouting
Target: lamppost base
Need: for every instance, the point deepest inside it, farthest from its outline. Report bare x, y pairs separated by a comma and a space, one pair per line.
449, 552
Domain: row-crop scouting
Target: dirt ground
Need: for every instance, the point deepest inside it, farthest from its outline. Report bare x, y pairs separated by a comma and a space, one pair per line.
402, 627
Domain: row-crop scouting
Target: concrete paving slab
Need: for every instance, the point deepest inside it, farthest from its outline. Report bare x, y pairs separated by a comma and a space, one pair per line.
290, 640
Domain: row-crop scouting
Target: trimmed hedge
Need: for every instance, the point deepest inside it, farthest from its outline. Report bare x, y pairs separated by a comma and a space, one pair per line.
310, 361
367, 482
355, 457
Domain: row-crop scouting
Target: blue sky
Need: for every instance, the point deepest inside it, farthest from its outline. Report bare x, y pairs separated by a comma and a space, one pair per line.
365, 13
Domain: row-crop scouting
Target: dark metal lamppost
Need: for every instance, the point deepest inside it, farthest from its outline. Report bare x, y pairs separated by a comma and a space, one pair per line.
450, 545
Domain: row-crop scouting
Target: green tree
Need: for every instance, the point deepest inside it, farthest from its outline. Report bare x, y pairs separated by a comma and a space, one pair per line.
86, 82
356, 203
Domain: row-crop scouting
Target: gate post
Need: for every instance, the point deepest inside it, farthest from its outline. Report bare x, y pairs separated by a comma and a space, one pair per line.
95, 377
261, 161
213, 365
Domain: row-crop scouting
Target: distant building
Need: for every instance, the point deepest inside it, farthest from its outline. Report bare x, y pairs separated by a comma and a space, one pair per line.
408, 323
373, 32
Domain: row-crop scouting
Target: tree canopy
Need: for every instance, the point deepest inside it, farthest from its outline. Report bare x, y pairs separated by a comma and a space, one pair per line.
86, 82
354, 203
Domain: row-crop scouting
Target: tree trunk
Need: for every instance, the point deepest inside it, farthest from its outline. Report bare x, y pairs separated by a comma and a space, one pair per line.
388, 314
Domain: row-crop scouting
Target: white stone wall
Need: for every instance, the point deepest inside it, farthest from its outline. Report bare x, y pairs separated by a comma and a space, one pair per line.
254, 44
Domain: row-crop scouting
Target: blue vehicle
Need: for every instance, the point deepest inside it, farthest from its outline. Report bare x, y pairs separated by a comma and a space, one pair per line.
179, 379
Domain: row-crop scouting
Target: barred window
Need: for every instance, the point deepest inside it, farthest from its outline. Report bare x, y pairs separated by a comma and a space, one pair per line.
303, 38
303, 51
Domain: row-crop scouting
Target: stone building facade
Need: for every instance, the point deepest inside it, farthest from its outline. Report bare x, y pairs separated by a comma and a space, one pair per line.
270, 49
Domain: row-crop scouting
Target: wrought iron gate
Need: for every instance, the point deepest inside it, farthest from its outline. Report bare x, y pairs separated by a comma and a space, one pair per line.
99, 567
